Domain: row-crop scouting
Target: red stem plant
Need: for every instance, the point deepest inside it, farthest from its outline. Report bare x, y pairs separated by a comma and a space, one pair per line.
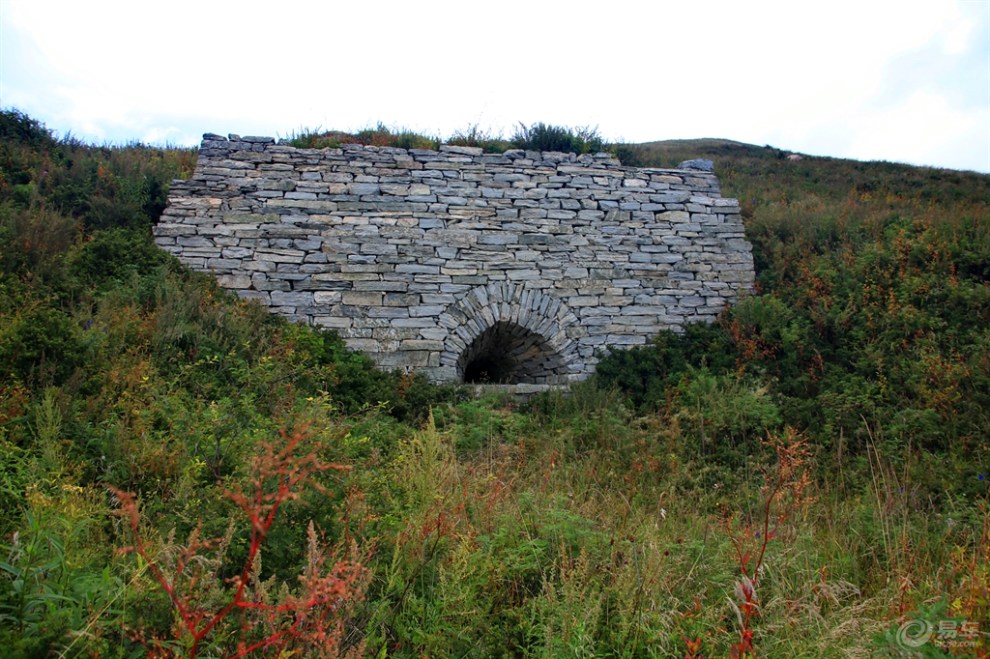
782, 493
313, 618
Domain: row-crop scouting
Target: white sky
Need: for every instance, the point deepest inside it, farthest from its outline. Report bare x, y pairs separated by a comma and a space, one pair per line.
903, 81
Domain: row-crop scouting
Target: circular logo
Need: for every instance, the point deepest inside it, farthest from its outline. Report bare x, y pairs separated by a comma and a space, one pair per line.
914, 633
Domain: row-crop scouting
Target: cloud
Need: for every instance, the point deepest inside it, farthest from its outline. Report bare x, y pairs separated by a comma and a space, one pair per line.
924, 127
808, 77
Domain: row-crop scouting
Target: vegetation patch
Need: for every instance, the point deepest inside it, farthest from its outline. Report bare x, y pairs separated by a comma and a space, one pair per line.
183, 474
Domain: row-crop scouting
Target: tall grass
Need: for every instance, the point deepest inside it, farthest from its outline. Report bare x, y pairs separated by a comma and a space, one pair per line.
800, 479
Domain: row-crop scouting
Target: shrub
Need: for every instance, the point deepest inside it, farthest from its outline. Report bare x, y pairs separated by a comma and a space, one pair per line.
17, 127
723, 414
33, 241
112, 256
646, 374
547, 137
39, 344
630, 156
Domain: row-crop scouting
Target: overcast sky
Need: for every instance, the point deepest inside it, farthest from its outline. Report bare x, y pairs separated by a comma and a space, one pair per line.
902, 81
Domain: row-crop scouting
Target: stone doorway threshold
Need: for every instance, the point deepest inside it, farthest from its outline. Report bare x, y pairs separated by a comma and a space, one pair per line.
522, 391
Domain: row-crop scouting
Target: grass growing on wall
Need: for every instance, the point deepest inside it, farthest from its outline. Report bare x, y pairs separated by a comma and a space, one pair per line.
799, 479
535, 137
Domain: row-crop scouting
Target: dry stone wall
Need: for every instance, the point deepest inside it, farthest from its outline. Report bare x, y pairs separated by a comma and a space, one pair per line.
516, 267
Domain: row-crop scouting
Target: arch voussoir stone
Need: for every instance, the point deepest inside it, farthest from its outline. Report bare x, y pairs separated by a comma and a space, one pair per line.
500, 305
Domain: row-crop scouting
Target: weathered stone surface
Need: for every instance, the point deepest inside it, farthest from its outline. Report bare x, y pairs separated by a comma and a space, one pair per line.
453, 261
698, 164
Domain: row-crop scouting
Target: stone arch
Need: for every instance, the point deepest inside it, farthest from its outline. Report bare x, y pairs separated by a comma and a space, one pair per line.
520, 335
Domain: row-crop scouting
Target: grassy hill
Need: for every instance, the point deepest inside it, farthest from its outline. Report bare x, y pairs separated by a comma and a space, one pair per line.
184, 474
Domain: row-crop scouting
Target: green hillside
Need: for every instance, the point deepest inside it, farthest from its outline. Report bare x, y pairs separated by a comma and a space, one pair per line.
183, 474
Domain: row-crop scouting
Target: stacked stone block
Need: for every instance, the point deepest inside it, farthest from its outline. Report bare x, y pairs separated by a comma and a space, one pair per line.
418, 258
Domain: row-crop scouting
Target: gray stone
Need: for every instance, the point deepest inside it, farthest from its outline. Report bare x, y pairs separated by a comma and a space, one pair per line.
426, 259
282, 298
698, 164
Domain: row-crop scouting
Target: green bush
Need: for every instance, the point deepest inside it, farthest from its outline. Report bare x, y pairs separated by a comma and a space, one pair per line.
646, 375
724, 416
40, 345
629, 155
57, 587
547, 137
17, 127
111, 257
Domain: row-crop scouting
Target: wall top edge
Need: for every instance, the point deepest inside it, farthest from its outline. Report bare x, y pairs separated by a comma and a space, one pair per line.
696, 167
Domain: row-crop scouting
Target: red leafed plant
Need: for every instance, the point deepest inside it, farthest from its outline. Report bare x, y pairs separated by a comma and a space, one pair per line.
251, 617
782, 493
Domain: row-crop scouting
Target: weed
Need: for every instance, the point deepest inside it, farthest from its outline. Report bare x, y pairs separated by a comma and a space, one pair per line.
254, 617
784, 492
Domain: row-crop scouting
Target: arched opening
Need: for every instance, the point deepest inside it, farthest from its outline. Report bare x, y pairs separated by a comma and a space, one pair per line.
507, 353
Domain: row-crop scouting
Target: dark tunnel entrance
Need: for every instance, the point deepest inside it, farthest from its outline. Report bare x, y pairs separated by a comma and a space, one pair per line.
507, 353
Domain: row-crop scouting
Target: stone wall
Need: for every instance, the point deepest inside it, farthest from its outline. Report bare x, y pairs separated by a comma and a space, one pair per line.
516, 267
